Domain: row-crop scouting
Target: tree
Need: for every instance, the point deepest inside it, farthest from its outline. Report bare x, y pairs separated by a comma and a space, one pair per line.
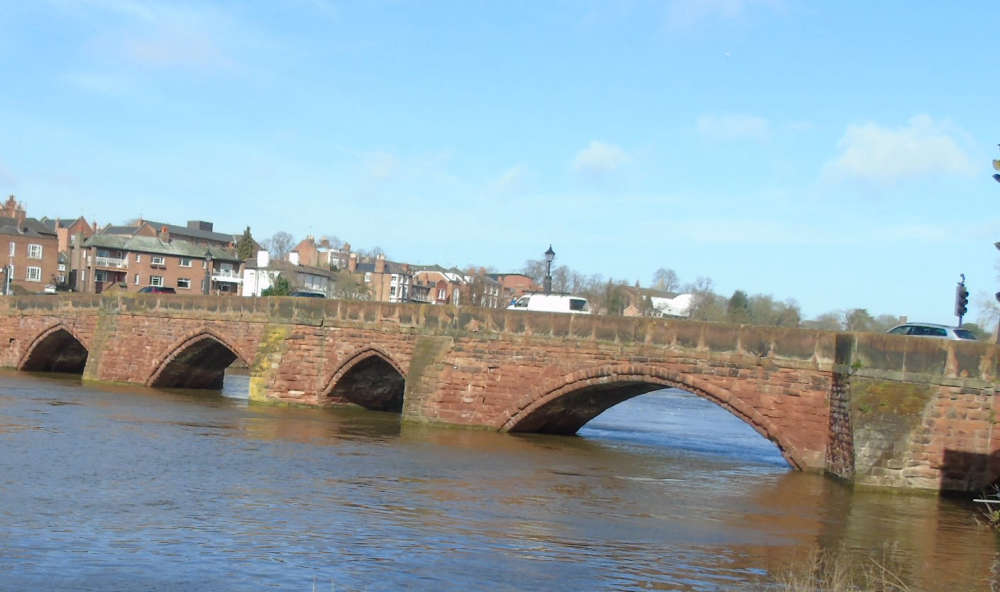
279, 245
615, 300
246, 247
859, 320
535, 269
738, 308
666, 280
789, 314
560, 279
332, 240
347, 286
706, 305
829, 321
280, 287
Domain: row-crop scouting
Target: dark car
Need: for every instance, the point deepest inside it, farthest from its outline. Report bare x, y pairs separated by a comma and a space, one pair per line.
157, 290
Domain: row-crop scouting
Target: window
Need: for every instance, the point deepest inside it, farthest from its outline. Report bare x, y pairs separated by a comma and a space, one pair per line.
34, 274
34, 251
442, 294
101, 276
138, 258
392, 290
13, 247
156, 280
185, 262
184, 283
158, 260
137, 279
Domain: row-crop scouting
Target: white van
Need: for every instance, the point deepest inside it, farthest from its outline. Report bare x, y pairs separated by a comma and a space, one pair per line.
551, 303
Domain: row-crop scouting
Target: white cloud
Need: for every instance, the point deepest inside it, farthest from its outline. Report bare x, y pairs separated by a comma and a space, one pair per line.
921, 147
599, 158
513, 179
734, 127
685, 13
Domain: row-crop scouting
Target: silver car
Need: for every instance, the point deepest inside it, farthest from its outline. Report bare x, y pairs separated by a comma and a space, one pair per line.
932, 330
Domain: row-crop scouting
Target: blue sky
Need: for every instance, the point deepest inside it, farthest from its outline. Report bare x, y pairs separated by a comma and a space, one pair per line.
837, 153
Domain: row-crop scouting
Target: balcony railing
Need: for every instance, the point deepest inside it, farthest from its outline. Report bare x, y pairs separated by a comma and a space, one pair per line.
111, 262
224, 275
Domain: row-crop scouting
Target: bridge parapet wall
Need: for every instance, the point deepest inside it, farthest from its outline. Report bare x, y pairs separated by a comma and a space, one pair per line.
883, 410
921, 413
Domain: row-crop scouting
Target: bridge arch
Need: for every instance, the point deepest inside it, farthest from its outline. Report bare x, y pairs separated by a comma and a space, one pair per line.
564, 405
56, 349
198, 361
370, 378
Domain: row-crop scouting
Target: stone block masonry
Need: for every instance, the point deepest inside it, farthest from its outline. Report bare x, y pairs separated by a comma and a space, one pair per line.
880, 410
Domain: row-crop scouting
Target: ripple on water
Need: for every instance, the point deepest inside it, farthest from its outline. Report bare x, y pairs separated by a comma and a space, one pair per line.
139, 489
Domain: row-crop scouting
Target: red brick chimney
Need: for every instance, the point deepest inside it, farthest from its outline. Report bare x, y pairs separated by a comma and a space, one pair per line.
352, 262
380, 264
164, 234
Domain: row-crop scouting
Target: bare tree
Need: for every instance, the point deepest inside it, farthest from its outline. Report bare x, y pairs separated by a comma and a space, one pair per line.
347, 286
279, 245
535, 269
666, 280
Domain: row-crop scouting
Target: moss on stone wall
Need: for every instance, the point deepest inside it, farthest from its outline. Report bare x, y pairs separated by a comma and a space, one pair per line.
267, 360
871, 398
886, 416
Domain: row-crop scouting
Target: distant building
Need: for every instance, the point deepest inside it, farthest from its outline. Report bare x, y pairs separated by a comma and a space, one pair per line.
32, 252
130, 258
70, 232
260, 273
198, 232
444, 286
322, 254
515, 284
387, 281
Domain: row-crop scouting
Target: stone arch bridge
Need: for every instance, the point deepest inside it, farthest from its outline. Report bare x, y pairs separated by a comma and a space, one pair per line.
881, 410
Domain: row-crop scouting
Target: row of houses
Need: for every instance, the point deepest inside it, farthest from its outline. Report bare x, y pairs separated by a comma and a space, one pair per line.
73, 254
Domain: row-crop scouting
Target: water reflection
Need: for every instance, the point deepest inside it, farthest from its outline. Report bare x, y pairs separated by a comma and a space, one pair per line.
130, 488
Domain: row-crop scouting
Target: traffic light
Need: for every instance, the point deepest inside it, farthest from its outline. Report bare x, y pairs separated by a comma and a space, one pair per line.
961, 302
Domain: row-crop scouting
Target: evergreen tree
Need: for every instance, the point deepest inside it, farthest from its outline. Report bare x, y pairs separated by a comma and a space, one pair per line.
246, 247
281, 287
738, 310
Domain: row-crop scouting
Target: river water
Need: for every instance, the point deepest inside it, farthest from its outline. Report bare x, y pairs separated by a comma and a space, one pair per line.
112, 488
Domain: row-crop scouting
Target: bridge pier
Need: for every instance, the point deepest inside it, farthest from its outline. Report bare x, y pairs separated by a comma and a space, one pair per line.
878, 410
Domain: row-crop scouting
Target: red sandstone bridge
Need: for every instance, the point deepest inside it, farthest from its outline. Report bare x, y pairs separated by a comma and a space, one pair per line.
880, 410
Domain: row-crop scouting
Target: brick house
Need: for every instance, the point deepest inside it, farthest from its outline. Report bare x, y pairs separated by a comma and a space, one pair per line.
70, 233
444, 285
322, 254
32, 251
198, 232
515, 284
133, 261
387, 281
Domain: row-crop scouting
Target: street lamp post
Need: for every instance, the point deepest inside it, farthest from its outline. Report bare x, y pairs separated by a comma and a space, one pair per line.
208, 273
549, 256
